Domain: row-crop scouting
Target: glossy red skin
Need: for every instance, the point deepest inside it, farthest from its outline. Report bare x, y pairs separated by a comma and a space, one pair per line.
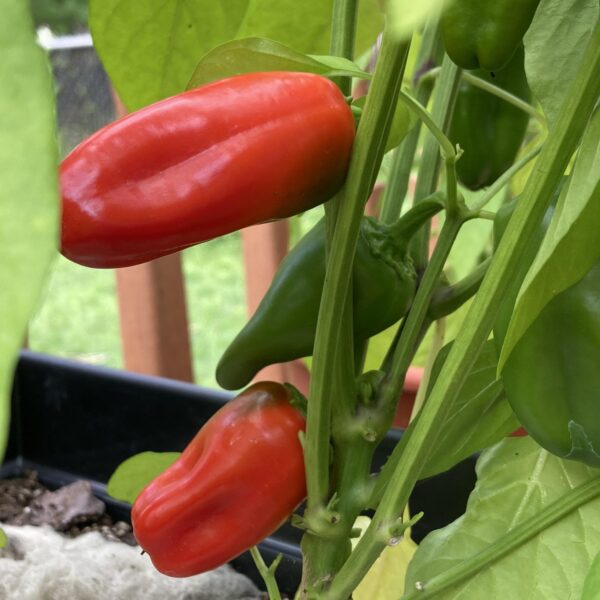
204, 163
237, 482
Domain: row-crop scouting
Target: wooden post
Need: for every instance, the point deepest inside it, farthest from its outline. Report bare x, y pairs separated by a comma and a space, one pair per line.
153, 315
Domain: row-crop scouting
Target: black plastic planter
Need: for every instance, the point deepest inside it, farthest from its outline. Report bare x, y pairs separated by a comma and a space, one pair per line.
74, 421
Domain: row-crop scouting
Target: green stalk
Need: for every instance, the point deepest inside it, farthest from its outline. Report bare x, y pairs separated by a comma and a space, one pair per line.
267, 573
354, 442
447, 151
454, 296
443, 106
397, 185
437, 342
343, 355
494, 90
516, 537
504, 179
343, 32
504, 95
391, 388
440, 138
364, 165
554, 158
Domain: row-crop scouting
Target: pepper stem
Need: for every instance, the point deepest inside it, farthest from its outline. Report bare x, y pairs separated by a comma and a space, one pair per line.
267, 573
411, 221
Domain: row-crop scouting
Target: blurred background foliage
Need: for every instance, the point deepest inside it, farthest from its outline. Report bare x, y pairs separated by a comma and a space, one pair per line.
62, 16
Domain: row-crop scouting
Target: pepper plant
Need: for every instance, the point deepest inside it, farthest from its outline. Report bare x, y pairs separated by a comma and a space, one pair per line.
524, 130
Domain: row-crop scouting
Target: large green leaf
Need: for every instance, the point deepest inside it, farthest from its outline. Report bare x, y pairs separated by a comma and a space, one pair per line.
554, 46
516, 479
150, 49
3, 539
28, 185
591, 587
570, 247
481, 417
133, 474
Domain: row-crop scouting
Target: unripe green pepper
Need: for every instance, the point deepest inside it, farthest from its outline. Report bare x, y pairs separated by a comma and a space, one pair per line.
284, 325
484, 34
488, 129
551, 377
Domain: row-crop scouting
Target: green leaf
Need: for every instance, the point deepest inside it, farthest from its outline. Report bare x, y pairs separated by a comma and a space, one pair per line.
150, 49
28, 185
133, 474
554, 46
571, 246
481, 417
341, 66
406, 16
3, 539
591, 586
516, 479
257, 54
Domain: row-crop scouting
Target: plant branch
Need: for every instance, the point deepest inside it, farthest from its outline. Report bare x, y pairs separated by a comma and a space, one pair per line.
554, 158
427, 119
443, 107
397, 185
504, 179
365, 162
392, 386
454, 296
343, 32
495, 91
504, 95
439, 334
267, 573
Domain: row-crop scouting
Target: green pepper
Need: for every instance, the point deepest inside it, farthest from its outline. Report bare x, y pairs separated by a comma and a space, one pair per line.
551, 377
488, 129
484, 34
283, 327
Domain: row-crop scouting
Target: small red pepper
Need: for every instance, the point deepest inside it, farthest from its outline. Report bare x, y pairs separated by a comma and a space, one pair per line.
204, 163
237, 482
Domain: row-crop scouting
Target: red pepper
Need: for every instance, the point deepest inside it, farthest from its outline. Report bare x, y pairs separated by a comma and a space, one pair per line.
236, 483
204, 163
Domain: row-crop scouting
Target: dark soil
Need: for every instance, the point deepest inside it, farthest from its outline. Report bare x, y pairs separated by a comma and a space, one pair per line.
72, 509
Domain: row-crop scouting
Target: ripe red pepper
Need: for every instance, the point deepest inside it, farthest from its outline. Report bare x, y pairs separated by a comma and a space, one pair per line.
236, 483
204, 163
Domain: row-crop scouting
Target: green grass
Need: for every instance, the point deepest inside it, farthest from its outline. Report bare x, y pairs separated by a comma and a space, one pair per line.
78, 315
